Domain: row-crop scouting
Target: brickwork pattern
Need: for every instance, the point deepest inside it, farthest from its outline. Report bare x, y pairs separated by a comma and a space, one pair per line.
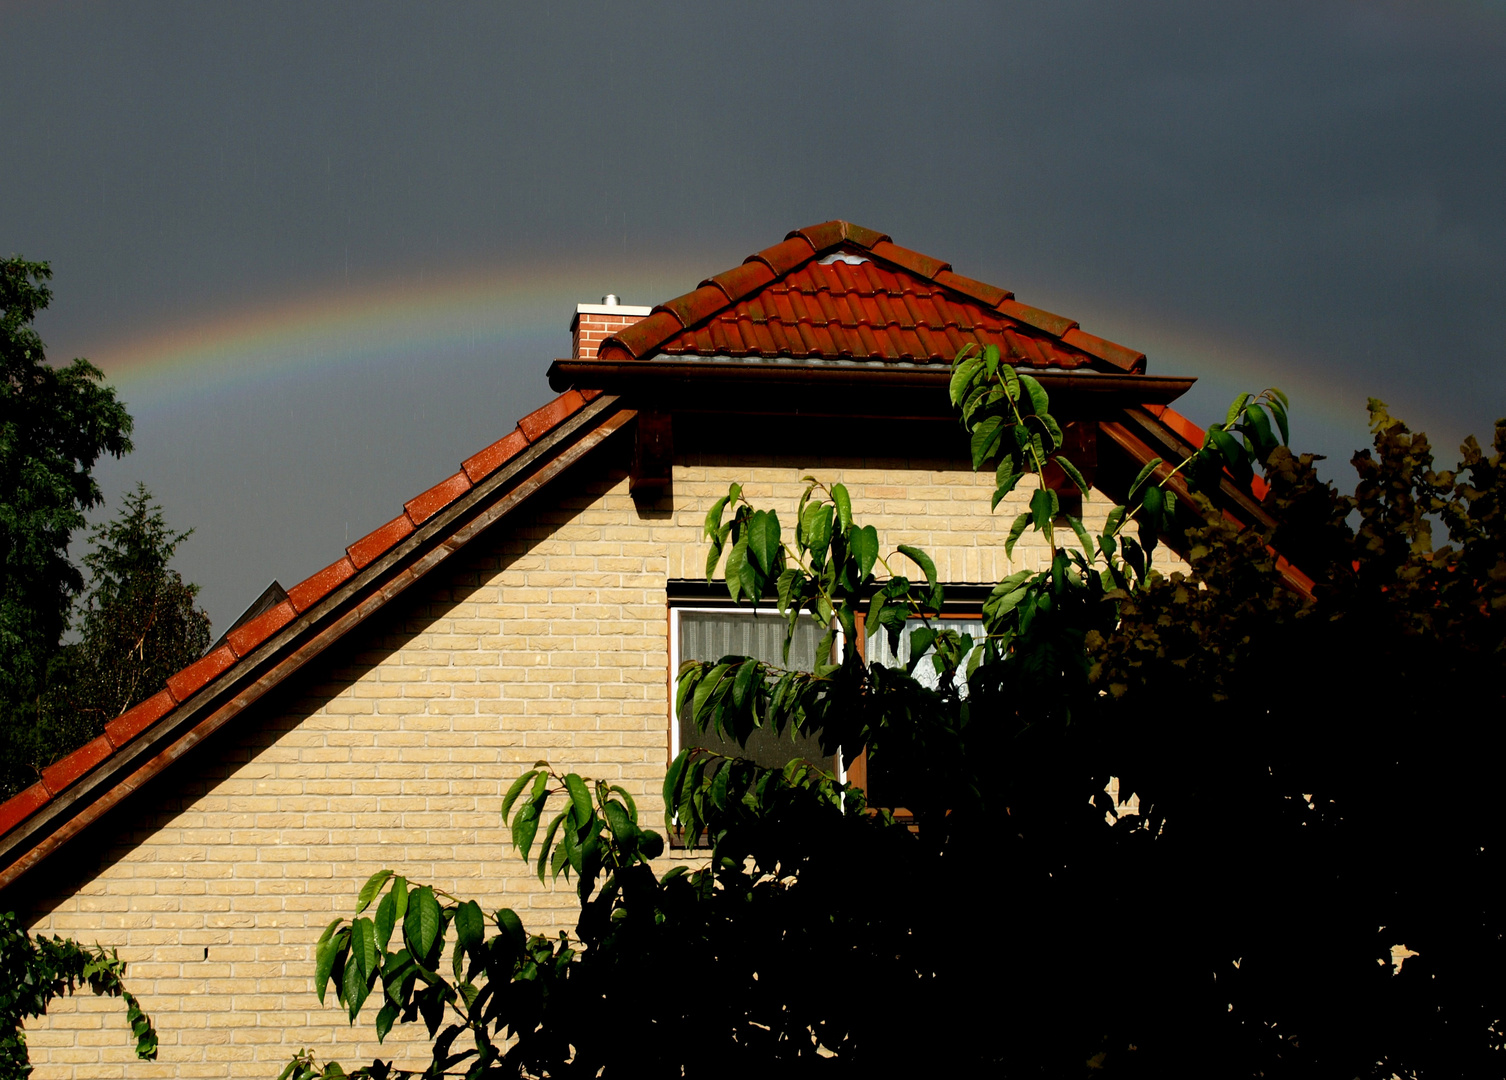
550, 641
591, 329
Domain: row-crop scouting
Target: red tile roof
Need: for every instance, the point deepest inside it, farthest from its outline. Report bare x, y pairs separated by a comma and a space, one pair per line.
838, 291
898, 305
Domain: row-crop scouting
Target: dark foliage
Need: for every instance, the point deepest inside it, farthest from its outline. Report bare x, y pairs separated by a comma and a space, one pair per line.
1184, 824
34, 971
138, 623
55, 422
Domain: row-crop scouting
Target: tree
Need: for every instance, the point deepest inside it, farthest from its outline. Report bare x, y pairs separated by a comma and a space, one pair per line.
138, 625
35, 971
1174, 823
55, 422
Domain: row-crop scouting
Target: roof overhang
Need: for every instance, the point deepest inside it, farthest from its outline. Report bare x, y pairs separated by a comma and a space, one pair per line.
680, 384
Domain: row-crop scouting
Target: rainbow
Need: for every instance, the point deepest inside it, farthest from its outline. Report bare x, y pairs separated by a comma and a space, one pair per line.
523, 317
484, 311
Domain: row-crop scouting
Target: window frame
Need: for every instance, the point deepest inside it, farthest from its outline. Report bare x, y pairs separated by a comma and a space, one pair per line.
694, 607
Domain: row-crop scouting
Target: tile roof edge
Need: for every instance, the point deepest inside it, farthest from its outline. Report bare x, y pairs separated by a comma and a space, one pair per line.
183, 686
720, 291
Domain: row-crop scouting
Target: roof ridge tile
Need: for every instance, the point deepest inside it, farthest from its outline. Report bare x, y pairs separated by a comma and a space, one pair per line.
22, 805
66, 770
138, 718
253, 632
742, 280
421, 508
370, 547
693, 307
912, 261
981, 291
641, 337
784, 257
1093, 345
188, 682
1053, 324
321, 583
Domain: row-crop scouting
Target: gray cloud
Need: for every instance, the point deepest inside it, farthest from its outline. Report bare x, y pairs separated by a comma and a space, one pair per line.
1315, 186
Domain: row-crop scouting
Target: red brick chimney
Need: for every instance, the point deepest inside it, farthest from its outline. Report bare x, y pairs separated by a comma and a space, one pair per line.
594, 323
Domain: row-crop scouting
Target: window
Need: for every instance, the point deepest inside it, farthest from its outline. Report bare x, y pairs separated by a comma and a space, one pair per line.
708, 633
878, 650
870, 776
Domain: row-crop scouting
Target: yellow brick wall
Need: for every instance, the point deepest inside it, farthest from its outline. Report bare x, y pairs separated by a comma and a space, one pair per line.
547, 640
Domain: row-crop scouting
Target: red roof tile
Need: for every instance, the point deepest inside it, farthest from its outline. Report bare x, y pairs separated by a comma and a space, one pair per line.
482, 464
425, 506
60, 774
543, 420
253, 632
369, 548
18, 808
197, 675
893, 305
317, 586
133, 722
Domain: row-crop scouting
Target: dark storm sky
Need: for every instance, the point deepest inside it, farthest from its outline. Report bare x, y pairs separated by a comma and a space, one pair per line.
1311, 195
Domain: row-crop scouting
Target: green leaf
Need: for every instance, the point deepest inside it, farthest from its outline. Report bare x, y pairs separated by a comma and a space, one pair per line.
962, 377
371, 888
1073, 475
790, 588
990, 360
524, 827
875, 613
763, 539
713, 556
1006, 485
549, 835
385, 1019
363, 946
470, 926
422, 924
399, 899
1236, 408
1040, 404
843, 503
386, 919
1011, 382
985, 439
921, 559
672, 786
1042, 508
714, 518
815, 529
743, 682
324, 957
354, 989
736, 560
1015, 532
619, 822
515, 790
1142, 476
579, 796
1278, 410
864, 544
1260, 428
1053, 431
1083, 536
921, 639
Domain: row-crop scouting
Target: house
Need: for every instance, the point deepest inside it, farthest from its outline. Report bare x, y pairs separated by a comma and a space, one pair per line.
533, 605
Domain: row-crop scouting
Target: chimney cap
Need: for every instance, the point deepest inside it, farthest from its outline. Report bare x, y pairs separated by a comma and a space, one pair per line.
609, 300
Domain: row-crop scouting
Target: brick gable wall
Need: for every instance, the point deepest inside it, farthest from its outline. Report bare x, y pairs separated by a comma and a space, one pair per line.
549, 642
